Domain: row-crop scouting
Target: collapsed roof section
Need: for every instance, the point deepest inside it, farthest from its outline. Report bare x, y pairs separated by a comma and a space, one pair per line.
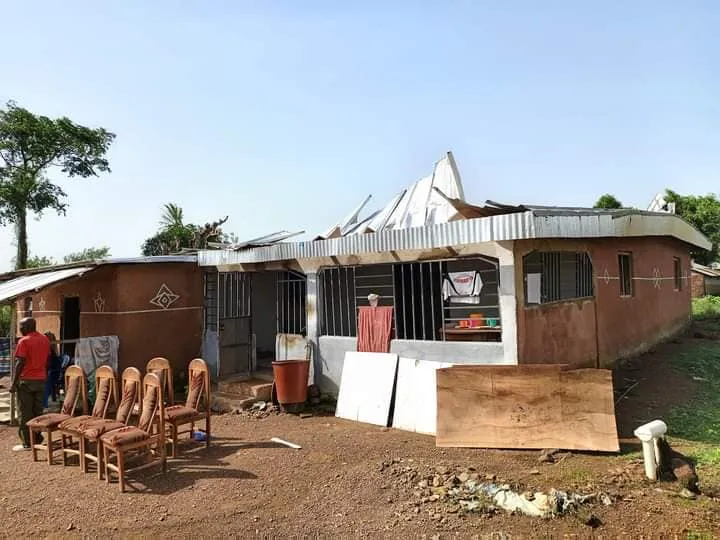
438, 198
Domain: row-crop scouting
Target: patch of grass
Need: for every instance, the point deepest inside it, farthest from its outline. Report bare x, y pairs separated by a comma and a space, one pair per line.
707, 307
699, 419
697, 535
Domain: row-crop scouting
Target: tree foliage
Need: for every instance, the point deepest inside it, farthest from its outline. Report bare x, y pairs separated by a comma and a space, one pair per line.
175, 235
30, 146
703, 212
608, 202
88, 254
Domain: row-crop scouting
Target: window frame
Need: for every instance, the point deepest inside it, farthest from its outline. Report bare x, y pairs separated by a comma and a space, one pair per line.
583, 261
621, 278
677, 274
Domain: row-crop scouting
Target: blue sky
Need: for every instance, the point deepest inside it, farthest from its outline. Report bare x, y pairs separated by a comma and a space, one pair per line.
286, 114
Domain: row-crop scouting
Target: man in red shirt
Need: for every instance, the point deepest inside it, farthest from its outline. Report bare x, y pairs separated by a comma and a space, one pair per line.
31, 366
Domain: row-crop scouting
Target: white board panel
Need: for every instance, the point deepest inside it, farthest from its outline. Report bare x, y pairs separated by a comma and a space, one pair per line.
404, 413
416, 395
366, 387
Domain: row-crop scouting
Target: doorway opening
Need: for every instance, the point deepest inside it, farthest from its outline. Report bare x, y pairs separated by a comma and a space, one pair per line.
70, 325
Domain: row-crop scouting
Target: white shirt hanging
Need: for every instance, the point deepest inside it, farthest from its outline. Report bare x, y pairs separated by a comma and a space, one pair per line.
462, 287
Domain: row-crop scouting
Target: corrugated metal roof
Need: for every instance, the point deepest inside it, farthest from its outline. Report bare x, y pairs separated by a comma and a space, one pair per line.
155, 259
540, 223
705, 270
21, 285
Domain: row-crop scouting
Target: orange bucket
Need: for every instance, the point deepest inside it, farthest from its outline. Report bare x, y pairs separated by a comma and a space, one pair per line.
291, 381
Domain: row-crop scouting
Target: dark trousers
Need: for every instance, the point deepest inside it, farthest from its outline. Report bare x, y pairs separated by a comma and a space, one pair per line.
30, 401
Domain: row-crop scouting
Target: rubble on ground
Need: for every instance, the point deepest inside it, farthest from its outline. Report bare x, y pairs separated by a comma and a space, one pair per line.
466, 491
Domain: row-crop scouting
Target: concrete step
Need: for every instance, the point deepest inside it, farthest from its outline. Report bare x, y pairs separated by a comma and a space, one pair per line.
260, 389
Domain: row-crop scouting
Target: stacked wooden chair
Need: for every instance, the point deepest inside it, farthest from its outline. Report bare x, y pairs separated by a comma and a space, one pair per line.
177, 416
75, 393
90, 431
106, 394
147, 436
145, 419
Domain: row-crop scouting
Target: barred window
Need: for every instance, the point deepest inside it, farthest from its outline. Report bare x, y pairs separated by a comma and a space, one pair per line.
552, 276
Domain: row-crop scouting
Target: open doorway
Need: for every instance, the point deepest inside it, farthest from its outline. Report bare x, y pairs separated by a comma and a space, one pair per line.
70, 324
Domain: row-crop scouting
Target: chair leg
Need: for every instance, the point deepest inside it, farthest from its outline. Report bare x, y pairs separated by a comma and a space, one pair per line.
173, 440
121, 469
207, 432
106, 460
63, 446
49, 447
81, 450
100, 461
32, 445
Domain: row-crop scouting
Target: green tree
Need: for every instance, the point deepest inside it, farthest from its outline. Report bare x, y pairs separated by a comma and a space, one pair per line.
702, 212
31, 146
608, 202
36, 261
88, 254
172, 217
176, 235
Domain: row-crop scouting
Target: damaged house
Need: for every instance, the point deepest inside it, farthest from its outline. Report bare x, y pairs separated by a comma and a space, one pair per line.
491, 284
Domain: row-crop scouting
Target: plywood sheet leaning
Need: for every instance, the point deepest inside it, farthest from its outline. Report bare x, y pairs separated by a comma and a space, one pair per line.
529, 407
366, 387
416, 395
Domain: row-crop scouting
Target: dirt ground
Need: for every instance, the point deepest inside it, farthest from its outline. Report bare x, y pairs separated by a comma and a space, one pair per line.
354, 480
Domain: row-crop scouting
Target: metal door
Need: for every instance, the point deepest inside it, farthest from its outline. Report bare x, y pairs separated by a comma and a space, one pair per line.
234, 323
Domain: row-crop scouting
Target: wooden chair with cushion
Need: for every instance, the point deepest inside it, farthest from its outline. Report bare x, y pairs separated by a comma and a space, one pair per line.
75, 392
161, 367
147, 438
106, 393
89, 432
182, 415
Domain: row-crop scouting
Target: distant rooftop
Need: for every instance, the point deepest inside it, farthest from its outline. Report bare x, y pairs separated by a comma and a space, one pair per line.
159, 259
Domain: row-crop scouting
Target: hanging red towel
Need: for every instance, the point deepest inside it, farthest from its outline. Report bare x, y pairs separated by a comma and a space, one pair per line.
374, 329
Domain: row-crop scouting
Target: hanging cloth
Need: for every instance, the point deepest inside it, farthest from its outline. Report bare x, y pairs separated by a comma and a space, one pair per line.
462, 287
374, 329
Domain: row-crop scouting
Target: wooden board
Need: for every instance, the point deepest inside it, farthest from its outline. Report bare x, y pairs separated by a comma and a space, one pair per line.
530, 407
415, 395
366, 387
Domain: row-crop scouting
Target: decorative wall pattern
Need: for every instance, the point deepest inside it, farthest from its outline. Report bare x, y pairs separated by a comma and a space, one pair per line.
99, 303
164, 298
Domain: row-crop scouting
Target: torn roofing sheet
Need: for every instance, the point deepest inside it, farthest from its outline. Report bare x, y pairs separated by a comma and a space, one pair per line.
434, 199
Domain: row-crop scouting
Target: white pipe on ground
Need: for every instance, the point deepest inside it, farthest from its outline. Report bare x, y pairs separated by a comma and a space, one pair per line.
649, 434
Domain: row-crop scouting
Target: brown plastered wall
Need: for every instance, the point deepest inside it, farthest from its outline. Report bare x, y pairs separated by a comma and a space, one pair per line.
145, 330
597, 332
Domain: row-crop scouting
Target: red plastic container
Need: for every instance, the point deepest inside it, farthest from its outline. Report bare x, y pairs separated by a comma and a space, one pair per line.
291, 381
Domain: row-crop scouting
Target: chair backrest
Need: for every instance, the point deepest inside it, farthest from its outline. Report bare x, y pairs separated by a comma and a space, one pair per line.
198, 384
161, 367
105, 391
75, 390
153, 407
132, 394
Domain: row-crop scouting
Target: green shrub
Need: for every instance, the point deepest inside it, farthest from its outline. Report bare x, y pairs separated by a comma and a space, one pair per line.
707, 307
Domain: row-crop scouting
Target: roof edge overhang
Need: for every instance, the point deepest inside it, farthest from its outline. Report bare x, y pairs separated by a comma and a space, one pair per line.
535, 224
17, 287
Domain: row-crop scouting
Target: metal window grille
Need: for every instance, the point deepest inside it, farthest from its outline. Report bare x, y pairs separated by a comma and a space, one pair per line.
338, 303
290, 303
626, 274
415, 290
210, 303
234, 295
564, 275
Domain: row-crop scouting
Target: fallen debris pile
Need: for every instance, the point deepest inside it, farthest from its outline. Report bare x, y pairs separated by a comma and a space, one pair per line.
465, 492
